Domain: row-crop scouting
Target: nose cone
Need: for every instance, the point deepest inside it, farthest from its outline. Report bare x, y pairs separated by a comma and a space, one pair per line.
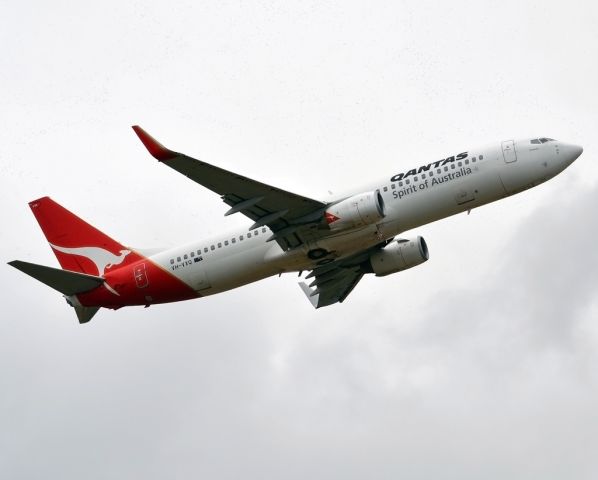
577, 151
572, 152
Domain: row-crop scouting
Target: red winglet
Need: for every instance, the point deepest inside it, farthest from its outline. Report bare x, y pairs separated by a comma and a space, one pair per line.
158, 151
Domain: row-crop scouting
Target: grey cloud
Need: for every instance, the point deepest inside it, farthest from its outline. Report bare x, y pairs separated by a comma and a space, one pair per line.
480, 364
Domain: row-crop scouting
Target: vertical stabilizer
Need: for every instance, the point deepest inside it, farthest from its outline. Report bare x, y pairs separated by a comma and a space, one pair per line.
78, 246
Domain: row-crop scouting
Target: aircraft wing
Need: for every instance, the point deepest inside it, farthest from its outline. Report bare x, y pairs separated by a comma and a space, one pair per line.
334, 290
334, 281
291, 217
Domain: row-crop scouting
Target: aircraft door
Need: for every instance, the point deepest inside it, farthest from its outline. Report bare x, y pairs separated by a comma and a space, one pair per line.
508, 151
140, 274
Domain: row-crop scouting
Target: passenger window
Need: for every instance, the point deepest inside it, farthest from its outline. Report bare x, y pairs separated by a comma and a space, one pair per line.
460, 164
212, 247
439, 171
172, 261
255, 232
241, 237
400, 184
473, 160
407, 182
248, 234
219, 245
423, 176
199, 252
446, 169
264, 230
415, 178
481, 157
386, 189
226, 243
393, 186
234, 240
192, 254
467, 162
431, 173
205, 250
178, 259
185, 257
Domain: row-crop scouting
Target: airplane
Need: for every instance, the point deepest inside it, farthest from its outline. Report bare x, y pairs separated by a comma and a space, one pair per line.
337, 241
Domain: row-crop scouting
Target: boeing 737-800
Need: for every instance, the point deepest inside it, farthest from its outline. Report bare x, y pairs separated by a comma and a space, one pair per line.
336, 241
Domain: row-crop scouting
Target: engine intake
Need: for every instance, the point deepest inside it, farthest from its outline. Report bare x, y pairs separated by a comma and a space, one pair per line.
399, 255
356, 211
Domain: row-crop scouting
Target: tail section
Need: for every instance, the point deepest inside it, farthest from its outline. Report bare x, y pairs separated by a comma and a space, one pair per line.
78, 246
98, 270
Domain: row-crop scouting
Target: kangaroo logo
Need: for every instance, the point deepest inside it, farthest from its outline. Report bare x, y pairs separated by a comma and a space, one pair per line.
101, 258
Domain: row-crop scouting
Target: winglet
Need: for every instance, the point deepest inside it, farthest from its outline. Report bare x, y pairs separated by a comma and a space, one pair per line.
310, 294
157, 150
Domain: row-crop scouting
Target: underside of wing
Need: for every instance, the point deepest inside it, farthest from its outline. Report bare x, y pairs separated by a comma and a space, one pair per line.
333, 282
294, 219
336, 290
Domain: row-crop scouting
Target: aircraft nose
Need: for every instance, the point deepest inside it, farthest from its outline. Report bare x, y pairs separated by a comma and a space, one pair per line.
572, 152
577, 151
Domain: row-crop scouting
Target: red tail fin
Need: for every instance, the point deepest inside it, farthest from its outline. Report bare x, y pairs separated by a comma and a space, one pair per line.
78, 246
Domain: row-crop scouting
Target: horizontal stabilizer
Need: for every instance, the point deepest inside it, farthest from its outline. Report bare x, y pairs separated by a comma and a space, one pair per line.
65, 281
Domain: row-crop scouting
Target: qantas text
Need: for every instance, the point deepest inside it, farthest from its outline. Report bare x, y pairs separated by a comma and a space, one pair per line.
425, 168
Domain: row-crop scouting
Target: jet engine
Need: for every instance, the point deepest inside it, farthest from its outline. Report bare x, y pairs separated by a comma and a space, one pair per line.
399, 255
356, 211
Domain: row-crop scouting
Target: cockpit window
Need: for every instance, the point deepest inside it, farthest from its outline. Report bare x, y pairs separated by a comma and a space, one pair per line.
544, 140
535, 141
541, 140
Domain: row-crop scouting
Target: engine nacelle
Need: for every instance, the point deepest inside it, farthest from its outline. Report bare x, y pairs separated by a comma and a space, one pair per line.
356, 211
399, 255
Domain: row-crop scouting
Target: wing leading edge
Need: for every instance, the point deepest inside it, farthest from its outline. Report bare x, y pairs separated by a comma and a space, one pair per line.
293, 218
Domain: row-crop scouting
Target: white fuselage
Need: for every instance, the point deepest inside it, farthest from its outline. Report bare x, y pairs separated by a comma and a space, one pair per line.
417, 197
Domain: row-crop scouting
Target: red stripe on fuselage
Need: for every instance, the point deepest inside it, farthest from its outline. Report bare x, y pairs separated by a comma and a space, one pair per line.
140, 283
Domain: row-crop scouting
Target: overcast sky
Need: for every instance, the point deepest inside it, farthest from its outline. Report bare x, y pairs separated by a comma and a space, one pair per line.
481, 363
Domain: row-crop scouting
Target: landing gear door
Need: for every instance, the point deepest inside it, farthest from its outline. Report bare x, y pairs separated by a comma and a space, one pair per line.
508, 151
